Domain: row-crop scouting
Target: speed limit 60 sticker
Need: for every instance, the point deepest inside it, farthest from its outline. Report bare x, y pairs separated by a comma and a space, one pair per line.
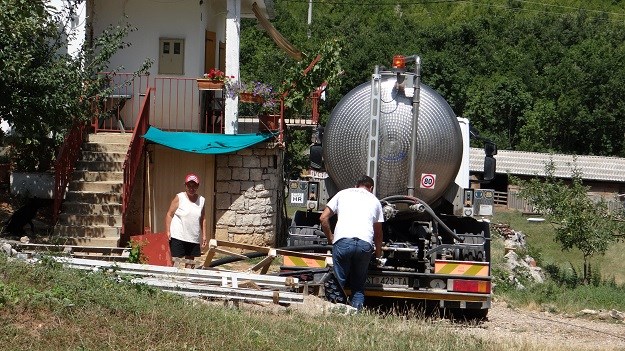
428, 180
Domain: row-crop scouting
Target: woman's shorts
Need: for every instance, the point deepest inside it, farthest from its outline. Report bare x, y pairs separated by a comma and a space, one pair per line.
181, 248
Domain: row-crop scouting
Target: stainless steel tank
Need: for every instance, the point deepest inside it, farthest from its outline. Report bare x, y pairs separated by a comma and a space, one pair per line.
439, 141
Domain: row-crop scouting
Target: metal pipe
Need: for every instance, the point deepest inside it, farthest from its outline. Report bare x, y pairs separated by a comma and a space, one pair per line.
415, 119
428, 209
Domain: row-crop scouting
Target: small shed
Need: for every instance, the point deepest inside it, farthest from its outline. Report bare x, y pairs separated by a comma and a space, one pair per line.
604, 175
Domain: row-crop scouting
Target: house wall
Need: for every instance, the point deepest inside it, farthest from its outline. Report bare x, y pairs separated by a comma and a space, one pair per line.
247, 195
242, 190
176, 102
606, 191
165, 179
155, 19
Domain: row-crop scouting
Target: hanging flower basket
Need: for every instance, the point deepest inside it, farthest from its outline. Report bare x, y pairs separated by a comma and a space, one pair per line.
249, 97
207, 84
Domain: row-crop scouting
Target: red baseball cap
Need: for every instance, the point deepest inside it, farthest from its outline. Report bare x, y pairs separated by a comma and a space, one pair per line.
192, 178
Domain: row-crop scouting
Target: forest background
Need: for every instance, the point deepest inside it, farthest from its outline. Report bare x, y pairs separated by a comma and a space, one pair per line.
543, 76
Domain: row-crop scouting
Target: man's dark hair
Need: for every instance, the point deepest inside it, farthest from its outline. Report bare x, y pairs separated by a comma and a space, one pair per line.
365, 180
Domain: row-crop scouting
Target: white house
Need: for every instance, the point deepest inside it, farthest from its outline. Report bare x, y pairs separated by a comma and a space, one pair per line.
242, 181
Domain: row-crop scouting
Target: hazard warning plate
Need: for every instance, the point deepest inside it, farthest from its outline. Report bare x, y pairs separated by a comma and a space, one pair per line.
387, 280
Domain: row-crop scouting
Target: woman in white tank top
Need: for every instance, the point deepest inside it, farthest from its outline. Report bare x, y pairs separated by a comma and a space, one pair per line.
185, 222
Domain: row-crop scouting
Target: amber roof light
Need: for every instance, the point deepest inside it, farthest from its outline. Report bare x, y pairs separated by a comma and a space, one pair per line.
399, 62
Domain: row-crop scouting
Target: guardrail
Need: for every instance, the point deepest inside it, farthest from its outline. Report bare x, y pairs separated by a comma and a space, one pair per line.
65, 164
133, 156
117, 110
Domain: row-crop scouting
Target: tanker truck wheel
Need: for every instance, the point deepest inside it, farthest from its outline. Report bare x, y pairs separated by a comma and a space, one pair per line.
332, 290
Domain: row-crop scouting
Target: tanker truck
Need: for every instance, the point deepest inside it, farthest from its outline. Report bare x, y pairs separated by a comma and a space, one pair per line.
403, 134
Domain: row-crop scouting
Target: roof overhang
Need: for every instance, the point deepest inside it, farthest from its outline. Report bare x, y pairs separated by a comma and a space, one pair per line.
523, 163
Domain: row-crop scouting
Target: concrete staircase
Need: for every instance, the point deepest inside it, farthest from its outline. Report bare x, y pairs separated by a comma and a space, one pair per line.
91, 212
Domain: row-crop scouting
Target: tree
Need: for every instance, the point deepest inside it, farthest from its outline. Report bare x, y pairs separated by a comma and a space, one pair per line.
579, 221
43, 89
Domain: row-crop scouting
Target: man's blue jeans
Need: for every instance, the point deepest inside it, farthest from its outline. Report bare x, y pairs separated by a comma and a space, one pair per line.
351, 258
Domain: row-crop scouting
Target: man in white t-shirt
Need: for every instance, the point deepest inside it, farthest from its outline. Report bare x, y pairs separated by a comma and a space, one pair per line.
357, 234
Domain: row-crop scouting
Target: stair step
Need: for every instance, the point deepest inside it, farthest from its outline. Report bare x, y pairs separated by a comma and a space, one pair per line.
92, 156
94, 198
96, 187
89, 176
110, 138
94, 209
91, 220
87, 232
100, 166
98, 147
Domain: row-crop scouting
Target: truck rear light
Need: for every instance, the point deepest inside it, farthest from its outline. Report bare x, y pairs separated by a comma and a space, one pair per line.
469, 286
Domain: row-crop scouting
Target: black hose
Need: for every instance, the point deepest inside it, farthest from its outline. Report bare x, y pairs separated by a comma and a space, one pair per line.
428, 209
231, 259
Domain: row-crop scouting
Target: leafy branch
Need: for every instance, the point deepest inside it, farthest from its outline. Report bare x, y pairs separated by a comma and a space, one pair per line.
307, 75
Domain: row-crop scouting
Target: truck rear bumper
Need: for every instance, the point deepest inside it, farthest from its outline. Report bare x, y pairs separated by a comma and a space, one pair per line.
447, 299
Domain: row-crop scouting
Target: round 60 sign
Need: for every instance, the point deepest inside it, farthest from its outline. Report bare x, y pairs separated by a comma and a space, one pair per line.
428, 181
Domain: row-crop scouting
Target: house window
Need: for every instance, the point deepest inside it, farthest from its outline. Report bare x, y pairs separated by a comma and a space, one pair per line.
171, 56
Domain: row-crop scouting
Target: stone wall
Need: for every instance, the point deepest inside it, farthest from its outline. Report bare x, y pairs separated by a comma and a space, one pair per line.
247, 185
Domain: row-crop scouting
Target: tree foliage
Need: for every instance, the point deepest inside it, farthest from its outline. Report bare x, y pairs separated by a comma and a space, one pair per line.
579, 222
43, 89
531, 76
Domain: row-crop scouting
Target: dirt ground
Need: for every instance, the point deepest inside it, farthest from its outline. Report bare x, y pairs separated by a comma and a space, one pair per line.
548, 329
543, 329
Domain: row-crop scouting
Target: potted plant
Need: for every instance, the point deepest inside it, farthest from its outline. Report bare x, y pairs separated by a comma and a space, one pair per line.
213, 80
256, 92
269, 115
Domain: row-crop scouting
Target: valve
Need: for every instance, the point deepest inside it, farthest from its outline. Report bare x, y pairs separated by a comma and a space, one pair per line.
389, 211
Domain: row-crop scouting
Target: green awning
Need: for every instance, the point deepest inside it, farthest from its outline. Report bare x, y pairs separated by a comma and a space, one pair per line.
205, 143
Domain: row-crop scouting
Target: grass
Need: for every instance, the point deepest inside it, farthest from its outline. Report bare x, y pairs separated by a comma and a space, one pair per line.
539, 236
47, 307
559, 295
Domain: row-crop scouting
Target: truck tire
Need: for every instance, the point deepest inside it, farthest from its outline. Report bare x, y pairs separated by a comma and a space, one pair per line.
333, 291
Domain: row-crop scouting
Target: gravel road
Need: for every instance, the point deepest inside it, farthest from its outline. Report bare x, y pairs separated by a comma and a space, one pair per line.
548, 330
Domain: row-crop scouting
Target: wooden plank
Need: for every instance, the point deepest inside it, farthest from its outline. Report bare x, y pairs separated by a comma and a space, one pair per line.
264, 264
265, 249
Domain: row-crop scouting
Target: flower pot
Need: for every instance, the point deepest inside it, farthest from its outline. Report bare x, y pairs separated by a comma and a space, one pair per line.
249, 97
207, 84
268, 123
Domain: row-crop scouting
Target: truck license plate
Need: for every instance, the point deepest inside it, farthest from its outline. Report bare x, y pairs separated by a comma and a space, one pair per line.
387, 280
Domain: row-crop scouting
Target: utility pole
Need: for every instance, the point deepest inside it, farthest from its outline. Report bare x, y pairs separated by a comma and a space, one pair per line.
309, 16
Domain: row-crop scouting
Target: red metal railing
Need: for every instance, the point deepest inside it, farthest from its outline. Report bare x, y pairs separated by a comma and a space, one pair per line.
65, 164
133, 156
177, 105
118, 110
